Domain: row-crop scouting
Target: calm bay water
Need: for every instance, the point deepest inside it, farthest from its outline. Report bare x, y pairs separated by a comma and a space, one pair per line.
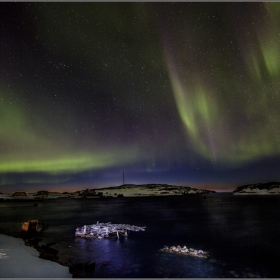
241, 234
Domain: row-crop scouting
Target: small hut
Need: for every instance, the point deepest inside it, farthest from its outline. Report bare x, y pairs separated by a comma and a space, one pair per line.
32, 226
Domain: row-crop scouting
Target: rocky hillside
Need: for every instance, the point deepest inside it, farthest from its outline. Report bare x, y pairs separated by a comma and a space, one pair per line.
149, 190
267, 188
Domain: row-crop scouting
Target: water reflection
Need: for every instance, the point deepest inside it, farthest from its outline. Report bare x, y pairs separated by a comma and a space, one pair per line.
240, 233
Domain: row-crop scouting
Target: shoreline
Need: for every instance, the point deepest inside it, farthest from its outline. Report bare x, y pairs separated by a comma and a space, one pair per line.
20, 261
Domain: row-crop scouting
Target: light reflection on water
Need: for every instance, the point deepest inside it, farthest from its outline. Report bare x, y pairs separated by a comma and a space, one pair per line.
239, 232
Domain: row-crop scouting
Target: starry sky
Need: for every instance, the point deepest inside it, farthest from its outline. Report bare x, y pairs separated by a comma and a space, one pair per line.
176, 93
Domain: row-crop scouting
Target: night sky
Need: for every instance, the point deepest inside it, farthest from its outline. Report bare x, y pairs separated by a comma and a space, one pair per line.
176, 93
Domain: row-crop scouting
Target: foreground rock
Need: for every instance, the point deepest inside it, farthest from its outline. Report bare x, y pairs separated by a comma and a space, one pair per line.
185, 251
261, 189
78, 270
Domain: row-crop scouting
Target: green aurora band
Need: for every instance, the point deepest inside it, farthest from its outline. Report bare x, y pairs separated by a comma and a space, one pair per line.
207, 108
37, 150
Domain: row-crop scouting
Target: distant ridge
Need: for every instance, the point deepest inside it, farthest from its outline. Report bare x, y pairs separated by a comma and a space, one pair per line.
261, 188
131, 190
126, 190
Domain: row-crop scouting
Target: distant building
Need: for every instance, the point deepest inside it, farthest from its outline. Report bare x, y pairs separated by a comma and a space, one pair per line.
43, 193
90, 194
19, 194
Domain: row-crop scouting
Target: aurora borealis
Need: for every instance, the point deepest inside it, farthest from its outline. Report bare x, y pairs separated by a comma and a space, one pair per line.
179, 93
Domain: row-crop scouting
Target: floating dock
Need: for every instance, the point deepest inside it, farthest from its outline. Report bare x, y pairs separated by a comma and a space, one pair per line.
105, 230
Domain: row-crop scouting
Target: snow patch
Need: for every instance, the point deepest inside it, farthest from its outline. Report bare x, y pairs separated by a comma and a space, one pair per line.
20, 261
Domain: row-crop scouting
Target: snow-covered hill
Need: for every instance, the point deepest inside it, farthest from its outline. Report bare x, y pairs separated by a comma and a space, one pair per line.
267, 188
123, 190
148, 190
